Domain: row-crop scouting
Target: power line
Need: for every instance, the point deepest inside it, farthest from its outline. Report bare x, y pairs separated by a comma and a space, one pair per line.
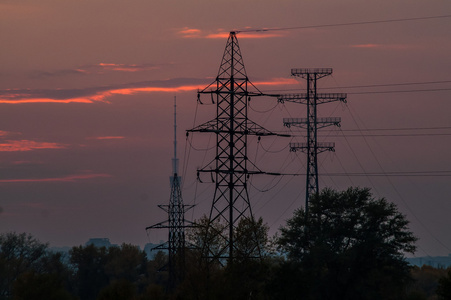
379, 85
399, 129
395, 174
394, 135
391, 84
399, 91
345, 24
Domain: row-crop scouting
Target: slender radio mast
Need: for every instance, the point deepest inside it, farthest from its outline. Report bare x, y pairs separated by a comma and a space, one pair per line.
176, 220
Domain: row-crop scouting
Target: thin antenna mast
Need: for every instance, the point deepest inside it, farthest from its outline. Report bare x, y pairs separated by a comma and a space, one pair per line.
176, 221
175, 161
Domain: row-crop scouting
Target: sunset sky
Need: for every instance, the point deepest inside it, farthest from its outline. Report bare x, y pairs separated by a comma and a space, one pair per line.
86, 109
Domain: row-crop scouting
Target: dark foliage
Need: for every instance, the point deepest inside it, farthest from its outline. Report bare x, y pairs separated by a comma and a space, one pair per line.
25, 264
444, 286
350, 246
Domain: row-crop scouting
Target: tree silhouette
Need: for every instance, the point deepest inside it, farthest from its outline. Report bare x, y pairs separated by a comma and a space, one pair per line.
349, 246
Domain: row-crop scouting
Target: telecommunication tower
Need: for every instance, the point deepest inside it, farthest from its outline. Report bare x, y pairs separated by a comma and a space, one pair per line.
230, 167
312, 123
176, 222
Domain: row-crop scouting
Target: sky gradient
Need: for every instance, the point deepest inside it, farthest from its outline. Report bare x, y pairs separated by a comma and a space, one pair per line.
86, 109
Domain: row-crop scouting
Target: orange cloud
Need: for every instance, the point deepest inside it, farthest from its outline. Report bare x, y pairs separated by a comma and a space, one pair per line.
27, 145
190, 32
101, 94
95, 96
47, 100
197, 33
245, 35
68, 178
278, 81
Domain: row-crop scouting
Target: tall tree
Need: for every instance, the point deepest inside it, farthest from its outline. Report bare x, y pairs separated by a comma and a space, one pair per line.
26, 264
89, 265
349, 246
242, 278
19, 253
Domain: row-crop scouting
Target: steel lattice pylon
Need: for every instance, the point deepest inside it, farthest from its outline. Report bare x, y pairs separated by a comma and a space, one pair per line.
176, 222
312, 123
231, 127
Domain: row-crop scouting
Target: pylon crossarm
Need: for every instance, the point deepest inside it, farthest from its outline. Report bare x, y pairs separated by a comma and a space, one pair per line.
158, 225
210, 126
252, 128
228, 92
317, 72
303, 98
320, 147
164, 246
304, 122
231, 172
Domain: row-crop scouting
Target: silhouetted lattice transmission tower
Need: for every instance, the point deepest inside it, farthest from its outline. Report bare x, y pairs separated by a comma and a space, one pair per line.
230, 168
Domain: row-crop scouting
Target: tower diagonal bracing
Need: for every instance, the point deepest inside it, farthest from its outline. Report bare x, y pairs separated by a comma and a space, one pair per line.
231, 126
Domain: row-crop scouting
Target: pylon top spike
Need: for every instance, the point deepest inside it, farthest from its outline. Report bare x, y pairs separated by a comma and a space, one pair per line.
232, 65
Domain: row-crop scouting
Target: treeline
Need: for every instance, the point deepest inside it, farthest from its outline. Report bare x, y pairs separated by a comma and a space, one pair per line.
349, 246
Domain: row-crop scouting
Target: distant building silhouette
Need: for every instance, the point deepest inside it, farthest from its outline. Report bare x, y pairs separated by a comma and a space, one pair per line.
433, 261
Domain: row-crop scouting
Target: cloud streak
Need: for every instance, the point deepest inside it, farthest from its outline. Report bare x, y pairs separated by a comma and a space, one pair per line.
103, 93
193, 33
27, 145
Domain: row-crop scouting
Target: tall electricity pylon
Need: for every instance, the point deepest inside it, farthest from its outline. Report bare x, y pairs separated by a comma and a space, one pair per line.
230, 165
176, 221
312, 123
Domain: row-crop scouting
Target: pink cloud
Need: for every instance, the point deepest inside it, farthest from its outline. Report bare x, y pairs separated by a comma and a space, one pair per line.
190, 33
246, 35
47, 100
27, 145
101, 94
68, 178
221, 34
278, 81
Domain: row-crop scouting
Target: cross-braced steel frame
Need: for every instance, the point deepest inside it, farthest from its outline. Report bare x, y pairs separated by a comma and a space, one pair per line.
312, 123
232, 128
